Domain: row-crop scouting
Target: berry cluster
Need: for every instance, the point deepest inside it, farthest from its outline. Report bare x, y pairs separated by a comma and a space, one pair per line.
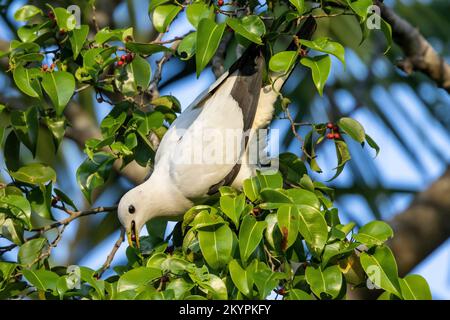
46, 68
334, 134
126, 58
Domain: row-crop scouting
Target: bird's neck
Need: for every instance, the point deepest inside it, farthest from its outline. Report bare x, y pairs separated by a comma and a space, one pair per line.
162, 199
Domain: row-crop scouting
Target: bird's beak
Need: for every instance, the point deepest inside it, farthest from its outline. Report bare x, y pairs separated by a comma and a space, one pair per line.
133, 236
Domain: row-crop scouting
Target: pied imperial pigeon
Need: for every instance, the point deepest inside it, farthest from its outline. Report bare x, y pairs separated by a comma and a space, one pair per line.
207, 146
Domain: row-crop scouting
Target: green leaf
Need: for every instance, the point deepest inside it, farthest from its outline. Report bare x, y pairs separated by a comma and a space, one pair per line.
25, 80
77, 39
299, 5
64, 198
272, 181
303, 197
60, 86
35, 173
325, 45
180, 287
27, 12
288, 217
250, 27
387, 31
30, 251
251, 188
273, 199
374, 233
216, 246
93, 173
162, 16
297, 294
41, 279
146, 48
198, 11
26, 127
313, 227
57, 127
343, 156
250, 235
241, 278
233, 207
141, 72
137, 278
320, 67
216, 287
283, 61
327, 281
381, 269
353, 128
209, 35
65, 20
372, 144
415, 287
360, 7
188, 46
12, 157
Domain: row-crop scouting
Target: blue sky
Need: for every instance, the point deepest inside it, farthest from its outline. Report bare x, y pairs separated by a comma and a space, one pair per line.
395, 166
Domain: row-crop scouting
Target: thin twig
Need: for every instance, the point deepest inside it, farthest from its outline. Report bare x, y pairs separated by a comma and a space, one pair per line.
74, 215
111, 255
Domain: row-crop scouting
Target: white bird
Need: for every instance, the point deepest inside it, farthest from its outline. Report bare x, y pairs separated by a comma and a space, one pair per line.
202, 149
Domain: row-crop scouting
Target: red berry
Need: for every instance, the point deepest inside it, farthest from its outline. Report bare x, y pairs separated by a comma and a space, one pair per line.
220, 3
335, 128
336, 136
129, 57
44, 67
330, 136
330, 125
123, 58
120, 63
51, 15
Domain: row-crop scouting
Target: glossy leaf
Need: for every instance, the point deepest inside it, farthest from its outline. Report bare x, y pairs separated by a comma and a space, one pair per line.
163, 15
233, 207
240, 277
283, 61
288, 223
26, 127
93, 173
415, 287
77, 39
381, 269
31, 250
313, 227
209, 35
60, 86
328, 281
374, 233
250, 235
35, 173
136, 278
216, 246
250, 27
353, 128
198, 11
320, 67
325, 45
27, 12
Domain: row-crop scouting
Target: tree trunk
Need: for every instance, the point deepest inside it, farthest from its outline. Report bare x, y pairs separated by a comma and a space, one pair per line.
424, 226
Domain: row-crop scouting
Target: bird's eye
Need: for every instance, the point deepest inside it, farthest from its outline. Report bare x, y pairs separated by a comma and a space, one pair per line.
131, 209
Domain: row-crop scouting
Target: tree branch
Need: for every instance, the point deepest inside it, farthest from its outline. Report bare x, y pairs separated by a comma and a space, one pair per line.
419, 54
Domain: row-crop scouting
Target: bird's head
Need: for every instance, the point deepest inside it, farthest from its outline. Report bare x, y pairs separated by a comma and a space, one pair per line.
132, 215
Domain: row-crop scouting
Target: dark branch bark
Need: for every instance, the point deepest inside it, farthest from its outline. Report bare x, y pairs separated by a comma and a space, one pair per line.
419, 54
424, 226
